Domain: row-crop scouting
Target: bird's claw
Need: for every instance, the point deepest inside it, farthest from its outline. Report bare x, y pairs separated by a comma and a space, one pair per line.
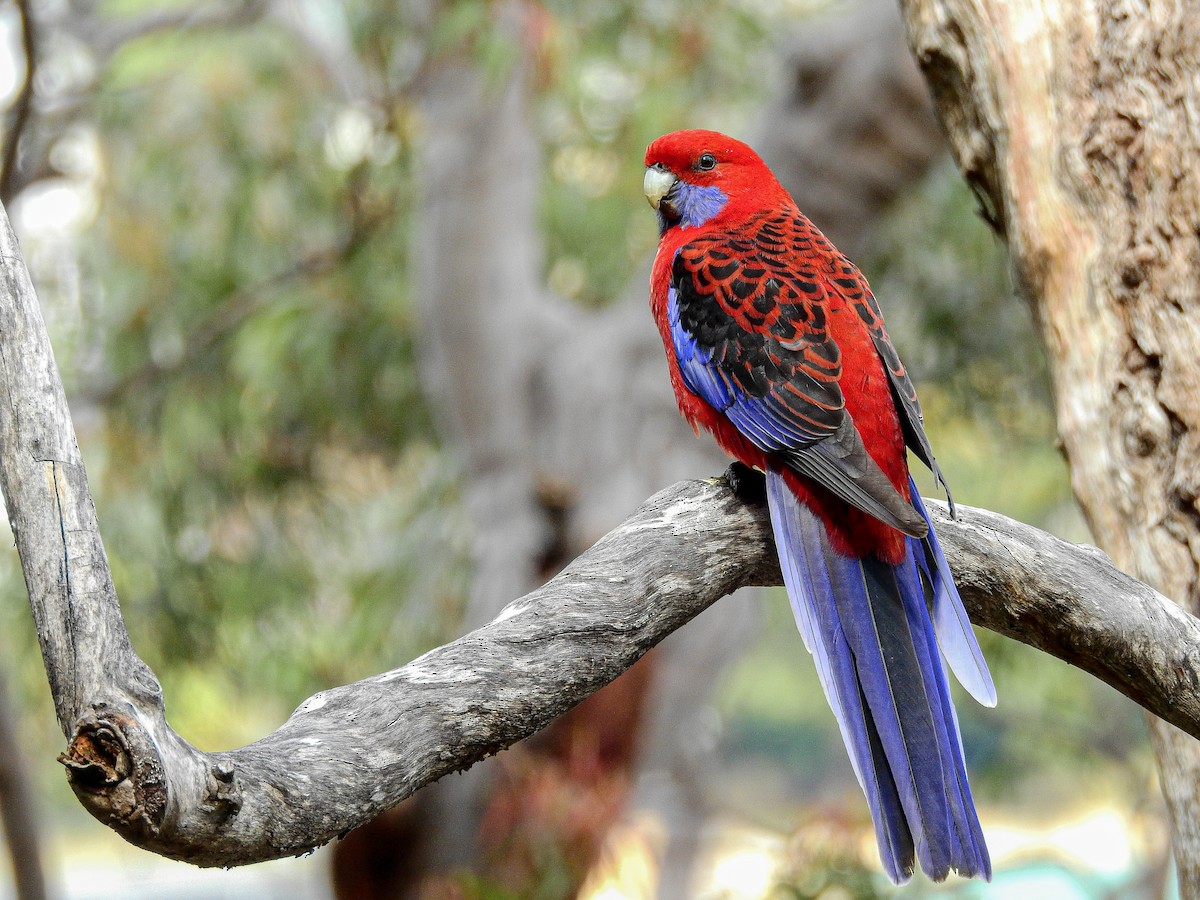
748, 484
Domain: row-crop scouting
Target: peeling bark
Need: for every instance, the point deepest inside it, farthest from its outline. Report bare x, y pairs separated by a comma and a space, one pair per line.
1078, 125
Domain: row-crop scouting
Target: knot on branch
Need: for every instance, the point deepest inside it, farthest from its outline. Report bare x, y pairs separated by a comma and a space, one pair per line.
116, 772
223, 793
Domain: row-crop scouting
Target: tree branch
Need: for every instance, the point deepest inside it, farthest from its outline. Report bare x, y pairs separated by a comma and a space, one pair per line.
348, 753
18, 115
241, 12
1070, 601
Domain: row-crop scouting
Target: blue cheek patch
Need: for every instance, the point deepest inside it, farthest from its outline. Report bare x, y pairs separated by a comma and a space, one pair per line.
698, 204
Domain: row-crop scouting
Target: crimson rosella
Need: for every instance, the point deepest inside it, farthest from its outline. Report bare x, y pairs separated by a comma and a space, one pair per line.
777, 346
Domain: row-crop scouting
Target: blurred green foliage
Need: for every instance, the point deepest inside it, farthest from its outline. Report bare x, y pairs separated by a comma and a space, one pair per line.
277, 510
617, 76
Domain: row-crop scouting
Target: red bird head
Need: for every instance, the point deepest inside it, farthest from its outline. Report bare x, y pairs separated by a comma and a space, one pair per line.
696, 177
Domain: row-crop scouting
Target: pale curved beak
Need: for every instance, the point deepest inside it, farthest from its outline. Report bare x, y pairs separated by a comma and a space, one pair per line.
657, 184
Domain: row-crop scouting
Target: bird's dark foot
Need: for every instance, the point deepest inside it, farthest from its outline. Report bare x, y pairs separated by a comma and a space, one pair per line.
750, 485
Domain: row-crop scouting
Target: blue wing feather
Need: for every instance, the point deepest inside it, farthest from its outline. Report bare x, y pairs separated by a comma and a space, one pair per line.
695, 362
761, 419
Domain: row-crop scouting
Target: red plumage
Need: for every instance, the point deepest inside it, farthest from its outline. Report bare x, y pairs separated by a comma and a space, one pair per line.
776, 345
754, 195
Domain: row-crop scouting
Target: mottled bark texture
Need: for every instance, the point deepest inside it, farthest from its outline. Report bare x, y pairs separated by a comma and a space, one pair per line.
348, 753
1078, 124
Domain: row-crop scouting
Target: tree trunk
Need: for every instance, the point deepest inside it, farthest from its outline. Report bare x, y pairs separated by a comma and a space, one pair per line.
1077, 124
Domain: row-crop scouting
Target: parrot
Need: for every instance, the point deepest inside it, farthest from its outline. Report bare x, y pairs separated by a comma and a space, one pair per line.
777, 347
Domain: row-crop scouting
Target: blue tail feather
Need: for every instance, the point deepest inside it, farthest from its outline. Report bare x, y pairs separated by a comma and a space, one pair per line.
869, 628
950, 622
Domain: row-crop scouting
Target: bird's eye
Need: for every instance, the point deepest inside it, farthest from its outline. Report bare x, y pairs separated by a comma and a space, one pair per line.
706, 161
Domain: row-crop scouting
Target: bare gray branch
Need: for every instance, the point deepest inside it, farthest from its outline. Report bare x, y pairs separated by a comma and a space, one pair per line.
348, 753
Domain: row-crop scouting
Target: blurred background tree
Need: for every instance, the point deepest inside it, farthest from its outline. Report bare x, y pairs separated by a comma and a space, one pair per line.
349, 298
